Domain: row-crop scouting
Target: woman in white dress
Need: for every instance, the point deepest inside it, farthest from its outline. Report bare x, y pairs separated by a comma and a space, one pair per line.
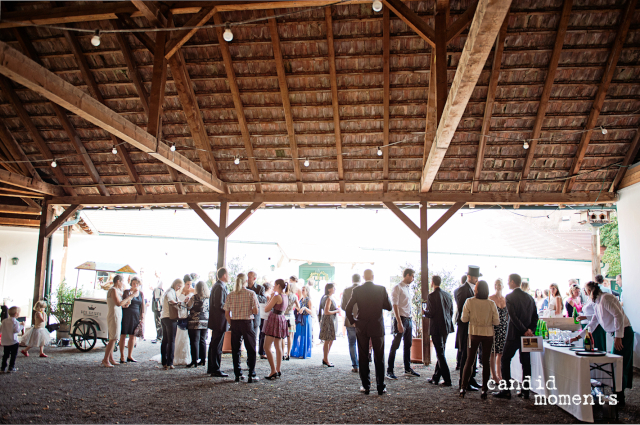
555, 301
115, 302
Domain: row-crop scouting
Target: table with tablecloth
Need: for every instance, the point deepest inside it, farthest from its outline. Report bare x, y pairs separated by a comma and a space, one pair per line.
572, 374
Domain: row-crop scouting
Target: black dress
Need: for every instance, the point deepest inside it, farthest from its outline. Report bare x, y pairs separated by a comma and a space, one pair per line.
131, 315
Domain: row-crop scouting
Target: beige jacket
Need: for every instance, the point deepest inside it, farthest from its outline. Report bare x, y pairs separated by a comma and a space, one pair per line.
482, 316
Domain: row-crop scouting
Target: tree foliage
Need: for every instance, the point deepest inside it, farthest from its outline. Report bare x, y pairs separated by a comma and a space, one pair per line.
609, 238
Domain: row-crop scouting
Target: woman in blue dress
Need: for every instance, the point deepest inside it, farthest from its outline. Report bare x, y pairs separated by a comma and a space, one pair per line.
302, 340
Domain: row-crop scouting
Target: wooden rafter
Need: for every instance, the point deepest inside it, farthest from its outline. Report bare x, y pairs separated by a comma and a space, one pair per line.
127, 22
33, 204
33, 132
441, 19
386, 69
607, 76
432, 123
180, 37
205, 217
628, 160
482, 35
151, 11
412, 19
331, 55
19, 209
134, 75
91, 83
284, 90
237, 103
444, 218
546, 91
16, 152
403, 217
464, 20
55, 225
25, 222
488, 107
38, 79
483, 198
30, 184
242, 218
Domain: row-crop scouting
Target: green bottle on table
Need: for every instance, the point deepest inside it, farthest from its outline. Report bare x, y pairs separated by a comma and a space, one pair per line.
545, 330
575, 315
588, 346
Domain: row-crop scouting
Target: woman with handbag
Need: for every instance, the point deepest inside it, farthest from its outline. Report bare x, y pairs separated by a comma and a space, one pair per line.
132, 319
169, 321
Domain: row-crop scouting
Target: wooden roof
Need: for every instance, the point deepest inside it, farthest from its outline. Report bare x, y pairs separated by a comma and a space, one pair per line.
270, 98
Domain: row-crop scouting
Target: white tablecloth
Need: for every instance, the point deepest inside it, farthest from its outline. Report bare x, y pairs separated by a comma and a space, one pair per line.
572, 376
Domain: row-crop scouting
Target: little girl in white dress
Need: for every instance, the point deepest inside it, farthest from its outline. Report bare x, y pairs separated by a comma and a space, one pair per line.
38, 335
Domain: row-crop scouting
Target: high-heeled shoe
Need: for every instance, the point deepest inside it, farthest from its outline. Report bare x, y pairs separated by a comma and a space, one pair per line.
190, 365
287, 358
130, 360
327, 364
462, 393
271, 377
483, 395
279, 374
122, 361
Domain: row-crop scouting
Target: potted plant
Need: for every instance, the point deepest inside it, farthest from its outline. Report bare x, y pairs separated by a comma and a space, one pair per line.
61, 307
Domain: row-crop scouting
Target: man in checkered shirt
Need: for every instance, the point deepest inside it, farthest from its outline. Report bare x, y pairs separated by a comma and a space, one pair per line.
240, 309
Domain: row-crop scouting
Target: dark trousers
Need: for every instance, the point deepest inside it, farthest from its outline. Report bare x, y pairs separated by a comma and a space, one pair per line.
407, 337
198, 343
243, 329
169, 329
510, 348
156, 316
463, 345
476, 341
458, 357
262, 335
442, 368
10, 353
215, 351
363, 358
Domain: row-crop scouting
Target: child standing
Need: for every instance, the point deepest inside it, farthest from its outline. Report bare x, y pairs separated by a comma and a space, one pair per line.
39, 335
10, 328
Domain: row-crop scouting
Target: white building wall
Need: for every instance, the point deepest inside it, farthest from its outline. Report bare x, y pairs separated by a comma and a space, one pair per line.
629, 229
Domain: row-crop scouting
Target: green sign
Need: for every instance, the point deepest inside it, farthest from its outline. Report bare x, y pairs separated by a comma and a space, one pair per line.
319, 274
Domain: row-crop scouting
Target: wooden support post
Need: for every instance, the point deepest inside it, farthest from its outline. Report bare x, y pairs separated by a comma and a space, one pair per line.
424, 280
222, 236
595, 252
41, 257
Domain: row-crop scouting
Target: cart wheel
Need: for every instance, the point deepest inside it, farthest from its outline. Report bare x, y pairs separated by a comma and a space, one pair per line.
84, 336
104, 342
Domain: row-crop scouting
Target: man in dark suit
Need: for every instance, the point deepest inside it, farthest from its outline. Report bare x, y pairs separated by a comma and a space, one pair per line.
461, 295
371, 300
440, 312
217, 323
523, 319
463, 280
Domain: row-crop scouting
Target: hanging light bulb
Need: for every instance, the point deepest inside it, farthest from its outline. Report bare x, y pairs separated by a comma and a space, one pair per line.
379, 152
377, 6
173, 147
293, 207
228, 35
236, 160
114, 151
604, 130
95, 40
526, 145
306, 162
54, 164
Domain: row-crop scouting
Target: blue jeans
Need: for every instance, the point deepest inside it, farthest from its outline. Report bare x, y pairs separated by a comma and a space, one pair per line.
353, 350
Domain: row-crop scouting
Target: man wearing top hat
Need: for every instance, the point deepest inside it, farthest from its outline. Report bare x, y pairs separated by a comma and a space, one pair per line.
461, 295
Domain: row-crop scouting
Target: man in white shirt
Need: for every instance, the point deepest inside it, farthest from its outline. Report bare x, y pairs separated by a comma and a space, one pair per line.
402, 324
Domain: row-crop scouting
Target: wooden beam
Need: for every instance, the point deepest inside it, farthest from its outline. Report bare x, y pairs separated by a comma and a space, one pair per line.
134, 75
31, 184
284, 90
482, 35
92, 85
205, 217
445, 217
376, 198
424, 280
631, 177
17, 153
442, 82
180, 37
24, 222
30, 202
546, 92
488, 106
128, 23
412, 19
237, 103
222, 236
403, 217
456, 28
632, 153
242, 218
19, 209
432, 123
24, 116
41, 254
607, 76
55, 225
192, 113
33, 76
331, 54
151, 11
10, 194
386, 29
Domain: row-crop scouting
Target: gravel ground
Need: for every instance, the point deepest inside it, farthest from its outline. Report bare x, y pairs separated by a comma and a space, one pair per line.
70, 387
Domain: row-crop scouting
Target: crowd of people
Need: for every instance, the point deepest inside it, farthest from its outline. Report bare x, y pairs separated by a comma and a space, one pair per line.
275, 322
